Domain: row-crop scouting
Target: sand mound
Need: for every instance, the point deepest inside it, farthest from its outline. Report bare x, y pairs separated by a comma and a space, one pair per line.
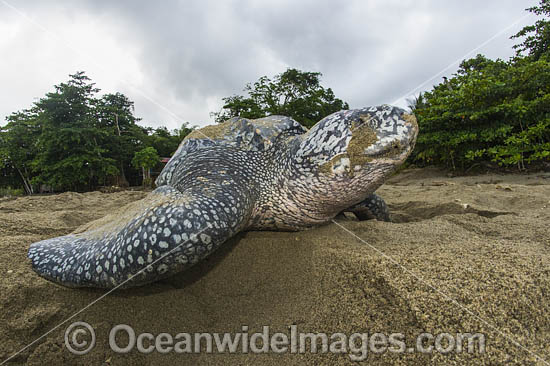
481, 241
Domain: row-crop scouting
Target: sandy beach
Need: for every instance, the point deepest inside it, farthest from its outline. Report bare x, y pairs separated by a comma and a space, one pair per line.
462, 255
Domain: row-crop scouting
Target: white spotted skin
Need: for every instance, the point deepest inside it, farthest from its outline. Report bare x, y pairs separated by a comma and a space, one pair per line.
306, 196
262, 174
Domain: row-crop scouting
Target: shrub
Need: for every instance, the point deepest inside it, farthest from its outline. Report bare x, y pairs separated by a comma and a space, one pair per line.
488, 111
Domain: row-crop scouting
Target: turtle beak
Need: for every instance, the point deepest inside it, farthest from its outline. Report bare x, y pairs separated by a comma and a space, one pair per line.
395, 137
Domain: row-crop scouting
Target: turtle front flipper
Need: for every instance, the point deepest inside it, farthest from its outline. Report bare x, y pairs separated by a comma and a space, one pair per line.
165, 233
372, 207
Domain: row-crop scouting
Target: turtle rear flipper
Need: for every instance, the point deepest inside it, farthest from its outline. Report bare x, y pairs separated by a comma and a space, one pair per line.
372, 207
165, 233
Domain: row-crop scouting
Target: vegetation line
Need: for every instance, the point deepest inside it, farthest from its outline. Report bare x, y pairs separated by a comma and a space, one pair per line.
490, 113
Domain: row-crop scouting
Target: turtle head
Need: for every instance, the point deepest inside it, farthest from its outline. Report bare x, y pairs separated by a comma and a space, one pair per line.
350, 141
350, 153
380, 136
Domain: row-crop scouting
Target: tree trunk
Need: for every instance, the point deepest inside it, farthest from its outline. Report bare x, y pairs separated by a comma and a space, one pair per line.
123, 181
26, 183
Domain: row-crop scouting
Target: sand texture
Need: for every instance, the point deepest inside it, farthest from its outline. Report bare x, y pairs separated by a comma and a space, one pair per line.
464, 254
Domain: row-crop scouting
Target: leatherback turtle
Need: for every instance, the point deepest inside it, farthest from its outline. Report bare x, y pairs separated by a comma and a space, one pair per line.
263, 174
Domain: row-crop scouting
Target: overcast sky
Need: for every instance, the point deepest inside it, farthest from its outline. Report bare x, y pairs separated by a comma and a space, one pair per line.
177, 59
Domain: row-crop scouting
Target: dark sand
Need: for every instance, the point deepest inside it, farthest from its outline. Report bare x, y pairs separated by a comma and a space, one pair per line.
482, 241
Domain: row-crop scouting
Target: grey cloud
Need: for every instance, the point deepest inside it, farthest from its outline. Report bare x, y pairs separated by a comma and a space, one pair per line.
370, 52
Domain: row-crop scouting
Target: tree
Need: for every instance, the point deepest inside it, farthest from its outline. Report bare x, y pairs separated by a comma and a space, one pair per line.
170, 142
166, 142
489, 111
537, 36
18, 145
294, 93
146, 159
123, 137
72, 139
416, 102
70, 154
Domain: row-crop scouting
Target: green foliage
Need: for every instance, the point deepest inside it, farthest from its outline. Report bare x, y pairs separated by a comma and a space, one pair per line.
72, 140
114, 114
536, 42
10, 192
293, 93
166, 142
146, 159
70, 154
489, 111
18, 146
